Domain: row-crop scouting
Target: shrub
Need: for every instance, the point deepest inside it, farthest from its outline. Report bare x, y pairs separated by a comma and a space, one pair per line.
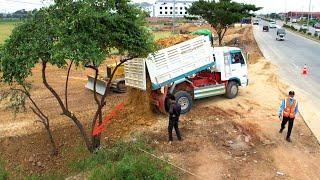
302, 30
309, 33
124, 161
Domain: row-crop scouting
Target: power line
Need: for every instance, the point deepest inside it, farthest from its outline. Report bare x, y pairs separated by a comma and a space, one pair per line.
23, 2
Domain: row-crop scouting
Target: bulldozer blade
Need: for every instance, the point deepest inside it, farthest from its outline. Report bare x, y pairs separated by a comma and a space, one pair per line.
100, 85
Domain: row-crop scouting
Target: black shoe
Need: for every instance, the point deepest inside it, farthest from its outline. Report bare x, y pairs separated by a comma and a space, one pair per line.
288, 139
280, 130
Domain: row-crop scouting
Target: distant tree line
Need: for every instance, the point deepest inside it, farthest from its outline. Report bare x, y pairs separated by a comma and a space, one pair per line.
20, 14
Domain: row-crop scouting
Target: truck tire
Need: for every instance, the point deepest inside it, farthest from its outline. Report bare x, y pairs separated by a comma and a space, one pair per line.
185, 100
121, 87
232, 90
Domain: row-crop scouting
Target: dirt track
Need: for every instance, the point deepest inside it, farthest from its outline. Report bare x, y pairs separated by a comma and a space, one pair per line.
239, 138
223, 138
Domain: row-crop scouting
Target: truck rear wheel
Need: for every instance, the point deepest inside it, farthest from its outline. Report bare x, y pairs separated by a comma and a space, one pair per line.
232, 90
185, 100
121, 87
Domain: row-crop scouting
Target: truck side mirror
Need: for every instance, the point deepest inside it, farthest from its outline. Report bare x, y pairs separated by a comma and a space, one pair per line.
248, 57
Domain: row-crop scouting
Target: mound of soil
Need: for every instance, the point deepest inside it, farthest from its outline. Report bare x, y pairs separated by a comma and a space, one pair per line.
175, 39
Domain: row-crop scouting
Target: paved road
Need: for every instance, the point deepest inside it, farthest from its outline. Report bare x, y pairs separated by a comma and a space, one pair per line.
290, 56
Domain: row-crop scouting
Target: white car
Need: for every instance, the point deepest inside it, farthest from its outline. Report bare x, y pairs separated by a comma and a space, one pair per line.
304, 26
272, 25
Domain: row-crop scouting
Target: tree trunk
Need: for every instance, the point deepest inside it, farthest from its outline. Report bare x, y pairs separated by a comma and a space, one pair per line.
65, 111
53, 144
96, 140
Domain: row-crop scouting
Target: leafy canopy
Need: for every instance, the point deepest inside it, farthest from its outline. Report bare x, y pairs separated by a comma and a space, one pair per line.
84, 31
221, 14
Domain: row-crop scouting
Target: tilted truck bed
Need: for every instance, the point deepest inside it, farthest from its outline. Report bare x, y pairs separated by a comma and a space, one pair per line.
170, 64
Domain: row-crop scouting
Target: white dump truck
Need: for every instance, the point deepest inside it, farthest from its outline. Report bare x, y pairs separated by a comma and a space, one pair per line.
189, 70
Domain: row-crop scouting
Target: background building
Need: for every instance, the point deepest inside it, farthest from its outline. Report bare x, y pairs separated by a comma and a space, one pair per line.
295, 14
167, 8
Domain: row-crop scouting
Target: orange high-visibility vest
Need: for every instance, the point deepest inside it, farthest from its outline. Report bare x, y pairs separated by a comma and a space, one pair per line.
289, 110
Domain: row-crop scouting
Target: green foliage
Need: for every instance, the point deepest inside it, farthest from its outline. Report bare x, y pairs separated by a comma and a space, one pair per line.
84, 31
88, 31
3, 173
309, 33
302, 30
45, 177
221, 14
29, 43
124, 161
16, 100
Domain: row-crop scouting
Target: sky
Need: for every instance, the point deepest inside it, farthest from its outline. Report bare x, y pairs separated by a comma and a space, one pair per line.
268, 5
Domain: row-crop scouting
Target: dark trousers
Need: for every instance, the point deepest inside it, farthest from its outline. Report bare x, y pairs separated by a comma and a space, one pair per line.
283, 124
173, 123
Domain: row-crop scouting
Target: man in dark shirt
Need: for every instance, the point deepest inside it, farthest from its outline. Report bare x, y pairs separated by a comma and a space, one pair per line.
174, 114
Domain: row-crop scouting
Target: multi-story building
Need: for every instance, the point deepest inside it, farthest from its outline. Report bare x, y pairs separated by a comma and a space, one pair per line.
169, 8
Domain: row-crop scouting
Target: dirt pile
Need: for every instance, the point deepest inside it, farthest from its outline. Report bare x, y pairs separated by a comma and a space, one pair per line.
136, 113
175, 39
249, 45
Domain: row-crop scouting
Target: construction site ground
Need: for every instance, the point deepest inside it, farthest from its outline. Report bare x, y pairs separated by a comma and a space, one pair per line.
222, 138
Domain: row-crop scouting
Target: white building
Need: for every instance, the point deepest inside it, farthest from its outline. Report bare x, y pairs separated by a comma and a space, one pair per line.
167, 8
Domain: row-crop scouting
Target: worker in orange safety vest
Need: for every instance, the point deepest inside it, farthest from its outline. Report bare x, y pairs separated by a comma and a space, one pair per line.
288, 111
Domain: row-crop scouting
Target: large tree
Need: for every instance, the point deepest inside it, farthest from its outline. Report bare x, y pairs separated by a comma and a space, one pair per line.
75, 33
221, 14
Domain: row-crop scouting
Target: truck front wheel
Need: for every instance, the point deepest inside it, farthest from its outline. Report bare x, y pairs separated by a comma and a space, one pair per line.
232, 90
185, 100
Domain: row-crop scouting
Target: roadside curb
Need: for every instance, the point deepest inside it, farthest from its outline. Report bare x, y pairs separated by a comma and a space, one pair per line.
305, 122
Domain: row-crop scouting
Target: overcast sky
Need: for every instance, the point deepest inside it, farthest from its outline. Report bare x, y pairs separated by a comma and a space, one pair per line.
268, 5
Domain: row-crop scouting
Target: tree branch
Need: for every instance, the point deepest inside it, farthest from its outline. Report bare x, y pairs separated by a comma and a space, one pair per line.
43, 120
102, 102
65, 111
54, 93
96, 71
66, 87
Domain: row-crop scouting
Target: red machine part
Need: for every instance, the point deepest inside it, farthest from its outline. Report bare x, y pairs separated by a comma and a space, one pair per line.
203, 78
158, 100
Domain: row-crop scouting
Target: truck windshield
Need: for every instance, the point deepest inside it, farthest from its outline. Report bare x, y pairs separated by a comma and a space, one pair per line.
281, 31
236, 57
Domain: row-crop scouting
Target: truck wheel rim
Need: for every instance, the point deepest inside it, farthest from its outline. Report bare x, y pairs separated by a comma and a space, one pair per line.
234, 90
184, 102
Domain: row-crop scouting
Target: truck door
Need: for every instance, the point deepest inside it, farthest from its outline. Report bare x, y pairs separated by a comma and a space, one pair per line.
239, 67
227, 67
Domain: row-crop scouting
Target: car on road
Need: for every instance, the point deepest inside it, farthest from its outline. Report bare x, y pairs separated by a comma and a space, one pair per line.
272, 24
265, 28
256, 22
304, 27
281, 34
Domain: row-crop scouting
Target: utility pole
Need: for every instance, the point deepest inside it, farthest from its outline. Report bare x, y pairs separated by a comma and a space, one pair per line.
285, 12
309, 14
174, 16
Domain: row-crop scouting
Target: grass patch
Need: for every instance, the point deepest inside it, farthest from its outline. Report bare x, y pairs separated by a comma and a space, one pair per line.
124, 161
161, 34
6, 29
3, 173
46, 177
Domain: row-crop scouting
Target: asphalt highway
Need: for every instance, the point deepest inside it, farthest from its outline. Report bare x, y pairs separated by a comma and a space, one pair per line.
290, 56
